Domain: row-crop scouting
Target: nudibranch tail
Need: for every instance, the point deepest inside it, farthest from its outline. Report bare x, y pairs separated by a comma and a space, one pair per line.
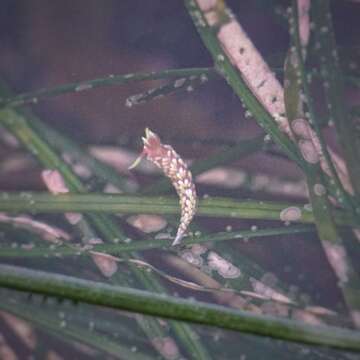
168, 160
178, 238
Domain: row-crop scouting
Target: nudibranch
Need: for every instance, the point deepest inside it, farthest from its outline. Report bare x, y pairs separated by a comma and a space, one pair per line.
169, 161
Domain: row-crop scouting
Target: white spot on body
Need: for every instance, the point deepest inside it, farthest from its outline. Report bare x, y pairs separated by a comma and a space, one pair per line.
337, 258
225, 268
355, 314
304, 21
81, 170
192, 258
266, 291
301, 128
308, 151
207, 5
308, 207
105, 263
128, 103
198, 249
147, 223
166, 347
82, 87
73, 218
229, 178
54, 182
50, 233
319, 190
291, 213
179, 82
203, 78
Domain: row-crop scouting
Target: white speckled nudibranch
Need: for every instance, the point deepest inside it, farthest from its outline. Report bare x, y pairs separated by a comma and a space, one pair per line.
169, 161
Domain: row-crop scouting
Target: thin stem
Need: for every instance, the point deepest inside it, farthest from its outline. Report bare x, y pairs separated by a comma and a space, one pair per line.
332, 243
165, 244
111, 80
115, 203
50, 322
345, 197
334, 90
145, 302
239, 86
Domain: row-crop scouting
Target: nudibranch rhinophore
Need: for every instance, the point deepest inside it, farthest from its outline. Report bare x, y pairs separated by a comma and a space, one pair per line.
169, 161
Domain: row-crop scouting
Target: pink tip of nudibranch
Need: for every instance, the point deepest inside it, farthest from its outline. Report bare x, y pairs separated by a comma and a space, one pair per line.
152, 144
152, 147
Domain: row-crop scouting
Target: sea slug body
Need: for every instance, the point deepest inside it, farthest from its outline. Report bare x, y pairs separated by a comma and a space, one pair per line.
169, 161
